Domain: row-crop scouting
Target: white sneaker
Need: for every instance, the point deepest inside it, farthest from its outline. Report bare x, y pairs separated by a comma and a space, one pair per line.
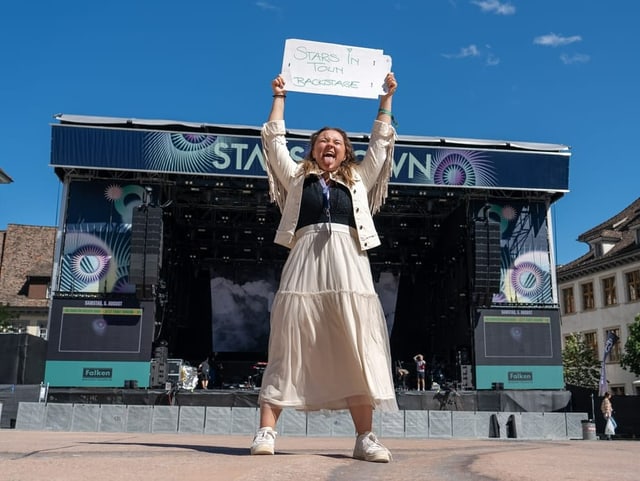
368, 448
264, 441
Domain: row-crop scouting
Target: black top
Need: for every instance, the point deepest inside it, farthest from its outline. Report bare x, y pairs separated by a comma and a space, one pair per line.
312, 205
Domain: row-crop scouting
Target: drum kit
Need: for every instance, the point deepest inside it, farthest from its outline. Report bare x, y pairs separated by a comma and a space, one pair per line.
257, 370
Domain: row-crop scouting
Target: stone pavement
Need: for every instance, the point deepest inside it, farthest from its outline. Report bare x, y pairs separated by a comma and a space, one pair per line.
71, 456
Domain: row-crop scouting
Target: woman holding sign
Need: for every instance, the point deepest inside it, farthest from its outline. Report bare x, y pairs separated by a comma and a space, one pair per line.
329, 345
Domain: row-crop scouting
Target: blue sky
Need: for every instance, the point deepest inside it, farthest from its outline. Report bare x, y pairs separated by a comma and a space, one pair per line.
549, 71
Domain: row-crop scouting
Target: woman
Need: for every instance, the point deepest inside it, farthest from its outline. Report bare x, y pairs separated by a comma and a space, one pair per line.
421, 368
607, 411
329, 346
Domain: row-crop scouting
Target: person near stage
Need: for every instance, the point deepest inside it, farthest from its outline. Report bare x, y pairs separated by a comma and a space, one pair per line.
329, 345
401, 375
421, 371
607, 411
203, 373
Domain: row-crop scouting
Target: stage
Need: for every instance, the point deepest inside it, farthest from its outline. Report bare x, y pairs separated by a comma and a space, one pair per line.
451, 400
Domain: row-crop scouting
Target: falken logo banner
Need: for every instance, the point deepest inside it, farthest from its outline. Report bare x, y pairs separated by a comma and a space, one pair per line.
520, 376
97, 373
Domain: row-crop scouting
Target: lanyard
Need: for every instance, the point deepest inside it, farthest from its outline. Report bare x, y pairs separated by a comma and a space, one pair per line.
326, 194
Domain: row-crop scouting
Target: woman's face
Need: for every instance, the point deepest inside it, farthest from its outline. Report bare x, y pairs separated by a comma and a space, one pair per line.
329, 150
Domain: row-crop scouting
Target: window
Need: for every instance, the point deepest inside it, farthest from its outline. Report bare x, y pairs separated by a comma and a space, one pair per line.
587, 296
617, 390
614, 354
568, 301
609, 291
591, 340
633, 286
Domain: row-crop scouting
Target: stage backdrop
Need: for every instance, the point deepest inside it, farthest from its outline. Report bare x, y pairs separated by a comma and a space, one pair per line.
241, 298
524, 250
96, 239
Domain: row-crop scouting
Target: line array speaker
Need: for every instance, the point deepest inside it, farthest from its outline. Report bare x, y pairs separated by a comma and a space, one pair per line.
146, 245
487, 257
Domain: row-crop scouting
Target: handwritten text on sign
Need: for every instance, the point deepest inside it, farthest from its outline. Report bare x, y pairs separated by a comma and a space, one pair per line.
327, 68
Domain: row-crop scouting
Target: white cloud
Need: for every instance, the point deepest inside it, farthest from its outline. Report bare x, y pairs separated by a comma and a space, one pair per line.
495, 6
575, 58
492, 60
470, 51
267, 6
553, 40
473, 51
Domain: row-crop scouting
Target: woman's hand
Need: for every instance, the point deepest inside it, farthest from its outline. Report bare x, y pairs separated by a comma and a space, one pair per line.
277, 85
390, 85
384, 112
279, 94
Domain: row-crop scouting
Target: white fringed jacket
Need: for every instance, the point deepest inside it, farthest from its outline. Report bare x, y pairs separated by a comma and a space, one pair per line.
368, 192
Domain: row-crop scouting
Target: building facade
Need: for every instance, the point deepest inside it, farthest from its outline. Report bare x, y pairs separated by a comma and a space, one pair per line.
26, 264
600, 292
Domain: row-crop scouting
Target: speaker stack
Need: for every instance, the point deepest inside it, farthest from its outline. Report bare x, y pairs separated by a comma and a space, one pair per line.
146, 248
487, 262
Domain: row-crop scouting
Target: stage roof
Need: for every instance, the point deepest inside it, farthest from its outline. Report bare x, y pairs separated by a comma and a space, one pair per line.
159, 124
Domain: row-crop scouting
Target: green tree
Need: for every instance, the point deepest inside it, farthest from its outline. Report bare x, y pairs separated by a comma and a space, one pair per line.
630, 358
581, 366
5, 318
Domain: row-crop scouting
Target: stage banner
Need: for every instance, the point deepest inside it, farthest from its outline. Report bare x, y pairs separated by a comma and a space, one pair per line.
611, 341
241, 156
523, 251
96, 239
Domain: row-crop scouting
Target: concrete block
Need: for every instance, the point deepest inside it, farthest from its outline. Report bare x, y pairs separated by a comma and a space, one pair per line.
532, 426
112, 418
217, 420
165, 419
85, 418
416, 424
554, 426
139, 419
330, 423
30, 416
342, 424
440, 425
292, 423
470, 424
319, 423
391, 425
191, 419
510, 424
574, 424
58, 417
244, 420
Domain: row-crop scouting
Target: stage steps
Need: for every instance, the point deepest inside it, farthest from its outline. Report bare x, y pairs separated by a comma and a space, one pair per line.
244, 421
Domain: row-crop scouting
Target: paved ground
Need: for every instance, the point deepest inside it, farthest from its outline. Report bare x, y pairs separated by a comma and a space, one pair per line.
64, 456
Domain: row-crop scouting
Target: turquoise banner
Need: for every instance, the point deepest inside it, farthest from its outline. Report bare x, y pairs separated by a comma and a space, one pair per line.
520, 377
96, 373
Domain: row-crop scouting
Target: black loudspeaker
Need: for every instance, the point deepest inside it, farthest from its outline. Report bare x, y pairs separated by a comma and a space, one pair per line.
487, 261
146, 245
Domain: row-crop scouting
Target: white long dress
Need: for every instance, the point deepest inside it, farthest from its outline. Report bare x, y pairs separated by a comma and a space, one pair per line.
329, 345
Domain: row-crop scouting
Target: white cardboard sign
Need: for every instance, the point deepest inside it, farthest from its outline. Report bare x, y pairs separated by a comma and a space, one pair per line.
332, 69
